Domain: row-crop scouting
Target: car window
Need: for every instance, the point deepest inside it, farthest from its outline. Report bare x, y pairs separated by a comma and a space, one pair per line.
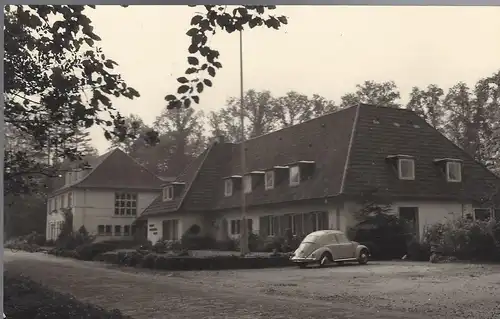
332, 239
341, 238
310, 239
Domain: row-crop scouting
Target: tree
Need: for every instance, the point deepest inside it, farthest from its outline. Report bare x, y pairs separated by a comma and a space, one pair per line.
226, 122
257, 112
181, 135
293, 108
203, 60
428, 104
371, 92
56, 76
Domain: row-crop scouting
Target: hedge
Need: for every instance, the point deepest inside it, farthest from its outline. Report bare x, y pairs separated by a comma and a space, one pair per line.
145, 259
24, 298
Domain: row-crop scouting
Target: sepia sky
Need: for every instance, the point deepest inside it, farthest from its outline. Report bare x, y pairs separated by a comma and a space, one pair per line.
324, 49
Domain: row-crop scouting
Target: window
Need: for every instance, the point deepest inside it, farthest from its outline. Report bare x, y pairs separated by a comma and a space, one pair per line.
341, 238
118, 230
269, 180
108, 230
235, 226
70, 199
62, 200
247, 184
49, 205
171, 229
55, 203
482, 214
454, 172
294, 175
250, 225
168, 193
126, 230
125, 204
406, 169
228, 187
100, 230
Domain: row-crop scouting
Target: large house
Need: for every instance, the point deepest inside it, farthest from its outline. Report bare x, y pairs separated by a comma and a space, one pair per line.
106, 196
314, 175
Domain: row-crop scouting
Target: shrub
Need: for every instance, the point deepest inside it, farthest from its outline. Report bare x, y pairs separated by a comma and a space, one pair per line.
385, 235
227, 245
464, 239
23, 298
91, 250
197, 242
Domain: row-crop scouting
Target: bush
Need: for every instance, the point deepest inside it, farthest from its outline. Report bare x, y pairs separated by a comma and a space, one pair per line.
197, 242
91, 250
385, 235
23, 298
227, 245
464, 239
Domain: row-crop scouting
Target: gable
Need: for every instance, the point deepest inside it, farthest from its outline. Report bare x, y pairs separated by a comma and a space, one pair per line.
119, 170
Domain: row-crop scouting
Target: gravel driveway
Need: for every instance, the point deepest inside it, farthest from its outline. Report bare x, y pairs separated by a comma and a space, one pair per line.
378, 290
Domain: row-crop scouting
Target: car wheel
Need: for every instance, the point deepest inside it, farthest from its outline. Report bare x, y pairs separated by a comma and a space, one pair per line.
325, 259
302, 265
363, 257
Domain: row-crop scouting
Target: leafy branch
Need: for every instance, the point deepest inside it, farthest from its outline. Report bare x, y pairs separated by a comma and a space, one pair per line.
203, 59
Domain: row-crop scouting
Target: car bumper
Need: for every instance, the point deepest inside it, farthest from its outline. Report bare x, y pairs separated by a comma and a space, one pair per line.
303, 259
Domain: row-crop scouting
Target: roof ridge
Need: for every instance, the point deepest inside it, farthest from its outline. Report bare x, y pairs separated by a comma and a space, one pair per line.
103, 157
181, 200
144, 167
348, 155
294, 125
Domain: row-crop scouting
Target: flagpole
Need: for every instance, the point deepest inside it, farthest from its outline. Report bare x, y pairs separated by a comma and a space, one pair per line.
244, 230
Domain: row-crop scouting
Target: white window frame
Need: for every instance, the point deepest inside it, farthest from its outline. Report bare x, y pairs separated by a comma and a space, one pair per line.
400, 170
126, 202
228, 187
293, 170
449, 166
168, 193
269, 180
247, 184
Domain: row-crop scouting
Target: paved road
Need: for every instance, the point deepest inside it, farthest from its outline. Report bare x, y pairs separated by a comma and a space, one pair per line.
145, 295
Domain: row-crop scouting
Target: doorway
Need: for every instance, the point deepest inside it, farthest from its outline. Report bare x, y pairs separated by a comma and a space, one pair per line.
410, 214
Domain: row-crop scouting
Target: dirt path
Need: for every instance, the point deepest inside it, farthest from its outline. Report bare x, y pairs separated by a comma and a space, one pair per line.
153, 295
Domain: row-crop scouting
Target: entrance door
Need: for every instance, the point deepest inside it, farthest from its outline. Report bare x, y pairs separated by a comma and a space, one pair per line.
410, 214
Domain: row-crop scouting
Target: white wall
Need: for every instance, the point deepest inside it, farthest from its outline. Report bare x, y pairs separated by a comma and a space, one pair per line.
340, 215
429, 212
92, 208
337, 218
186, 220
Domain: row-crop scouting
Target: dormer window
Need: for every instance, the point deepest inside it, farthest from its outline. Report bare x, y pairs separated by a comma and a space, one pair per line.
454, 172
228, 187
404, 165
294, 175
406, 168
452, 169
269, 180
168, 193
247, 184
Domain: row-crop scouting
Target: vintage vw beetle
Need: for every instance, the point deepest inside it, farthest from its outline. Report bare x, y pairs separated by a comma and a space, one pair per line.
326, 246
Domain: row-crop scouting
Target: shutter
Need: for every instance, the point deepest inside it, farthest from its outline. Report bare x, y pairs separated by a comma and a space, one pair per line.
264, 226
324, 220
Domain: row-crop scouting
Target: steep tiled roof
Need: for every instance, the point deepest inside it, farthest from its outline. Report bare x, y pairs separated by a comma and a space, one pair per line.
188, 177
116, 169
398, 131
349, 148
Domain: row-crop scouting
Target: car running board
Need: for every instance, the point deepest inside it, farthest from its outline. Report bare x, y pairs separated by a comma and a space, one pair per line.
346, 259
